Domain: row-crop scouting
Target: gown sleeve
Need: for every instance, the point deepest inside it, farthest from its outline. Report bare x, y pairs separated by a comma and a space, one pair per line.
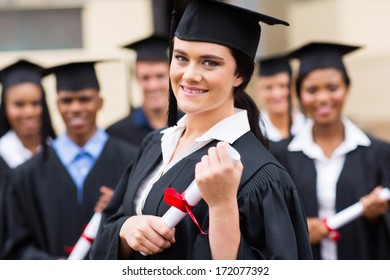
106, 243
272, 219
22, 213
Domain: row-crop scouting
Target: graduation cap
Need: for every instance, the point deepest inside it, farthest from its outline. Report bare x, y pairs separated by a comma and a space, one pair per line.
224, 24
75, 75
152, 48
20, 72
317, 55
269, 66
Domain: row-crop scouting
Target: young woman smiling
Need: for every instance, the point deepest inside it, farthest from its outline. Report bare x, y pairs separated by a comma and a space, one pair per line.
333, 163
25, 125
250, 208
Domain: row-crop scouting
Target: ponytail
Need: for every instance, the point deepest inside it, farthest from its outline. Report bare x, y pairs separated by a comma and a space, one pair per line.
245, 68
244, 101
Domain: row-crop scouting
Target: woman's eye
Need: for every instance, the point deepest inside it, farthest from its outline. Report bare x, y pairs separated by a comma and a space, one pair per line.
210, 63
332, 87
180, 58
311, 90
18, 104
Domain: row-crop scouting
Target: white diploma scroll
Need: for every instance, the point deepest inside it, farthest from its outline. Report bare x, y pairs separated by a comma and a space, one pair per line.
84, 243
352, 212
192, 195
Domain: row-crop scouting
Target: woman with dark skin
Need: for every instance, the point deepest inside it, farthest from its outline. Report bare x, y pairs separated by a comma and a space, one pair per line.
25, 124
333, 163
24, 114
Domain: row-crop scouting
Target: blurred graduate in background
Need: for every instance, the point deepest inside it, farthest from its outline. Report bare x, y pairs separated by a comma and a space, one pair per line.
333, 163
152, 76
25, 123
52, 199
274, 84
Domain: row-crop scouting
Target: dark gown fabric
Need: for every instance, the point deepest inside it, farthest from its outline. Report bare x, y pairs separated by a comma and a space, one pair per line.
133, 128
4, 168
363, 170
272, 220
45, 217
4, 173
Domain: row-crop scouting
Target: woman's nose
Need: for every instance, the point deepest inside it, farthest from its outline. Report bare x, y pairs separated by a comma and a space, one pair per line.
192, 74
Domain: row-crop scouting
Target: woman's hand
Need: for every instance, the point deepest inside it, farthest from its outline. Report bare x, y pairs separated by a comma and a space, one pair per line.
374, 206
146, 234
317, 230
218, 177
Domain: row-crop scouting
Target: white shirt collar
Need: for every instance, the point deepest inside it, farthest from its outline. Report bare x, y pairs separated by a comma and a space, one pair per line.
12, 150
273, 133
303, 141
228, 129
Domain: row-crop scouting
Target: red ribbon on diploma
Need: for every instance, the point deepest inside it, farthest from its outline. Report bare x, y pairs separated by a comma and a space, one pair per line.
69, 249
177, 200
333, 234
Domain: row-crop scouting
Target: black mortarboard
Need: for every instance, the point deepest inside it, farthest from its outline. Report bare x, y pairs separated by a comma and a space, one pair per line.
322, 55
269, 66
20, 72
224, 24
152, 48
75, 76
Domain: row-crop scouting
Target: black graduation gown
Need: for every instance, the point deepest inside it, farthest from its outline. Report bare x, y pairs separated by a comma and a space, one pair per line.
4, 168
4, 172
363, 170
130, 129
272, 220
44, 215
127, 129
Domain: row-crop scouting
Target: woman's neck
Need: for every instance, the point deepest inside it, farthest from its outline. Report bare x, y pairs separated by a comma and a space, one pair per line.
196, 126
329, 137
30, 142
281, 122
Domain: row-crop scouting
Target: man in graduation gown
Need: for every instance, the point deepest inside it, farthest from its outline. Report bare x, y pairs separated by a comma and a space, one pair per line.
152, 75
53, 196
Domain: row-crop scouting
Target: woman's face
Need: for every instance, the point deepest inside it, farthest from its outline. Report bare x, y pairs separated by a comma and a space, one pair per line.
323, 93
203, 76
274, 91
24, 109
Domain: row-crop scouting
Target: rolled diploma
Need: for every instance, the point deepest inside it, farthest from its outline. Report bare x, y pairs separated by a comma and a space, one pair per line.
173, 216
192, 195
352, 212
83, 245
